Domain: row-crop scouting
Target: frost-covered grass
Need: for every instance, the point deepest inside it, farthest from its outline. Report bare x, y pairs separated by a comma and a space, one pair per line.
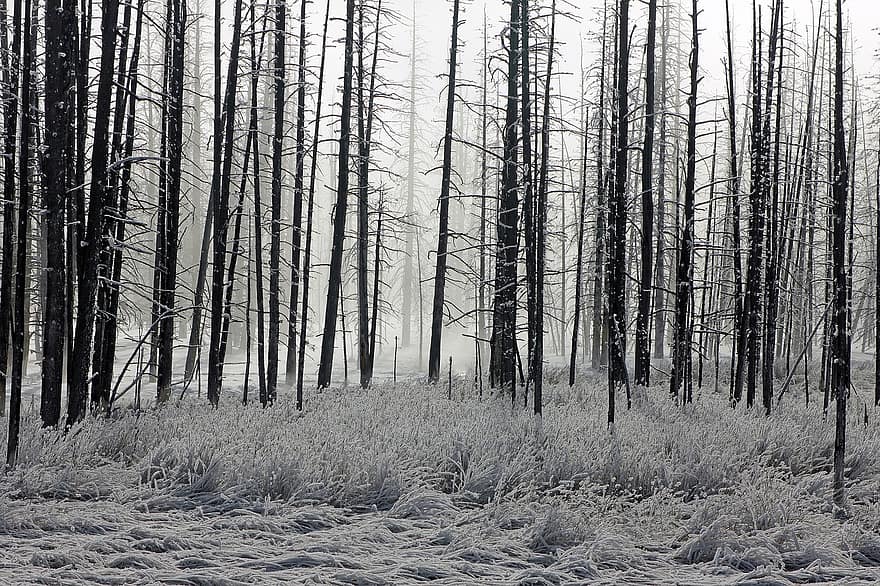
717, 490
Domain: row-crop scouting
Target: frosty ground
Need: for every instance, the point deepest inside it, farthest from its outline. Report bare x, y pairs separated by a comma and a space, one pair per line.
400, 485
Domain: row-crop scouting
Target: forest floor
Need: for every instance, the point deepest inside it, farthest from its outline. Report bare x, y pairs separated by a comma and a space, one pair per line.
400, 485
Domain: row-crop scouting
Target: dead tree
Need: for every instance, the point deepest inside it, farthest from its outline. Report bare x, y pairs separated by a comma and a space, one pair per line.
599, 267
275, 222
108, 349
877, 286
443, 227
579, 268
771, 269
681, 359
221, 181
177, 10
328, 340
618, 379
88, 268
528, 189
309, 217
840, 335
59, 69
504, 347
296, 236
10, 123
19, 324
365, 116
541, 225
734, 183
643, 354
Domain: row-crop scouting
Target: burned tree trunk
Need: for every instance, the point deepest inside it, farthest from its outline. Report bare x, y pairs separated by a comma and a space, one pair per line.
10, 122
443, 228
541, 227
335, 275
177, 10
643, 353
99, 187
504, 350
681, 358
840, 335
221, 203
733, 170
618, 379
59, 32
19, 323
275, 222
296, 237
309, 216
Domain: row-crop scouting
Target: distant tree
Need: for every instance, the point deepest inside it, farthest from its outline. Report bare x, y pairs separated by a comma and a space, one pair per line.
406, 310
599, 305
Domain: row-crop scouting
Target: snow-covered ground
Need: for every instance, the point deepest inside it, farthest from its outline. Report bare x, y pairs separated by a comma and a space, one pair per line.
399, 485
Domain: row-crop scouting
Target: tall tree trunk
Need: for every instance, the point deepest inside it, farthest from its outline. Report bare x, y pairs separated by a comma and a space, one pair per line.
290, 366
10, 114
108, 351
599, 269
365, 130
528, 194
99, 187
443, 227
335, 273
19, 323
643, 354
175, 154
309, 216
840, 346
877, 287
221, 202
771, 271
579, 267
105, 321
504, 347
682, 347
618, 378
275, 222
660, 279
541, 224
484, 186
733, 170
59, 30
407, 285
